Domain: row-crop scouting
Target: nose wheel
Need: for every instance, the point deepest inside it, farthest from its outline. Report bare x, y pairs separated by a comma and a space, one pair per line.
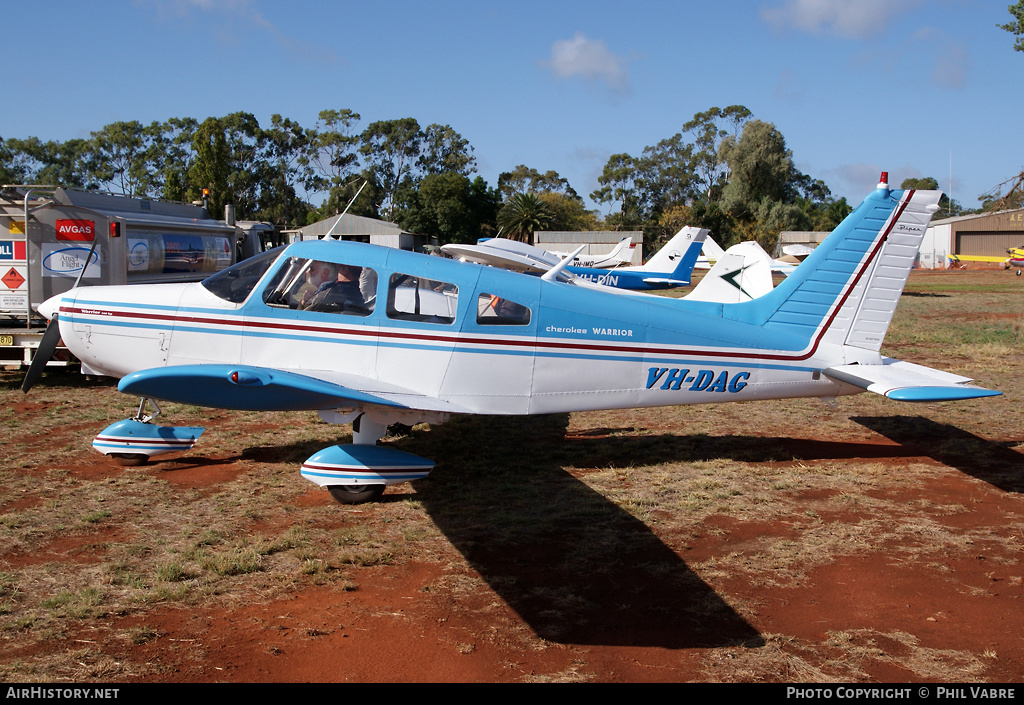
356, 494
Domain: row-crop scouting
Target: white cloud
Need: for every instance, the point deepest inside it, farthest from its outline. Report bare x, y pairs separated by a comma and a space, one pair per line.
233, 19
589, 59
845, 18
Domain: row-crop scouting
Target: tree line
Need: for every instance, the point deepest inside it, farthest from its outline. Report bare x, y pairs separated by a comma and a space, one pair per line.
724, 170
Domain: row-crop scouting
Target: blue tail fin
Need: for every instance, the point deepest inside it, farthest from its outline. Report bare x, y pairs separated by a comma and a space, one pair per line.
846, 291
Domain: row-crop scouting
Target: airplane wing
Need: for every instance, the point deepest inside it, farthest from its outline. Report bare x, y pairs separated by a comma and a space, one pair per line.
978, 258
251, 388
905, 381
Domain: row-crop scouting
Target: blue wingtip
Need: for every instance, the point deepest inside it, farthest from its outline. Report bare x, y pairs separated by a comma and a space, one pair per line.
929, 394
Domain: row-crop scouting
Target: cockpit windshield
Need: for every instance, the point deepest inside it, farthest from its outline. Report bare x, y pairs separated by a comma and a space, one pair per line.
235, 283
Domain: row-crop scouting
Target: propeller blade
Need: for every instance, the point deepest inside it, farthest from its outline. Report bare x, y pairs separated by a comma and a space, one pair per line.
44, 352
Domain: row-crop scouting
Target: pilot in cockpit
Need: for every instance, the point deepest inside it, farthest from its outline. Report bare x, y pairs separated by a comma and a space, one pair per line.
317, 274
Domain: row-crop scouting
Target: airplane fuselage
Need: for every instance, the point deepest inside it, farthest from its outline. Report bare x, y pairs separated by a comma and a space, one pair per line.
451, 336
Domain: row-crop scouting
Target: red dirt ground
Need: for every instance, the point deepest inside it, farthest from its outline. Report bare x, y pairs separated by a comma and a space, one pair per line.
392, 629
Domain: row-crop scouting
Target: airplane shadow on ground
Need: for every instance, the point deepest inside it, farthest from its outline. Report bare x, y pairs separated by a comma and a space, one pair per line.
994, 462
576, 567
579, 569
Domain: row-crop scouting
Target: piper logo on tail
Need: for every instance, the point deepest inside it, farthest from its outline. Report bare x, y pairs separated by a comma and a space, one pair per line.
699, 381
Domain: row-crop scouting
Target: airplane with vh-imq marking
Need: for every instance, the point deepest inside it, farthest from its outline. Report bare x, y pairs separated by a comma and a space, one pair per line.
621, 254
376, 336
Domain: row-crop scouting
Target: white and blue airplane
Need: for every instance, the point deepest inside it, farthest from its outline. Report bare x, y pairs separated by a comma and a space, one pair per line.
670, 267
621, 254
375, 336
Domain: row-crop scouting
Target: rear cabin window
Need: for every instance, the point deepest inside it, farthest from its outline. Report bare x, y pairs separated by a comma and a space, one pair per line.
412, 298
326, 287
494, 310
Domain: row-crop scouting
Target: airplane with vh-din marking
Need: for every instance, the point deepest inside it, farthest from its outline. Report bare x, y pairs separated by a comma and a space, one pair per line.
671, 266
376, 336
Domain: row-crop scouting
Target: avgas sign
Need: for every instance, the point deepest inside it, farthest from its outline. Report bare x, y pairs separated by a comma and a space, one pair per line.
75, 230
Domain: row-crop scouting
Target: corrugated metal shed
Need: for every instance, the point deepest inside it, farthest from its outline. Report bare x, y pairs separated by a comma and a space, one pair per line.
357, 227
598, 242
796, 237
981, 234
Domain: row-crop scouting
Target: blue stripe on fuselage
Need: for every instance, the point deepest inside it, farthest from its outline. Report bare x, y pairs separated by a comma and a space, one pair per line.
567, 322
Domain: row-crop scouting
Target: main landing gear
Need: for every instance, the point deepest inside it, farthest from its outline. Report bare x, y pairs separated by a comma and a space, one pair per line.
358, 472
353, 473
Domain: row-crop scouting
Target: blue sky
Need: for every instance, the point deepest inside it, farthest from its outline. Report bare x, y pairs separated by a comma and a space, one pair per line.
856, 87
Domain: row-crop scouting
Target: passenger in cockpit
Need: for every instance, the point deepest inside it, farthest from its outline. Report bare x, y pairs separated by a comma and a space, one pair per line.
339, 294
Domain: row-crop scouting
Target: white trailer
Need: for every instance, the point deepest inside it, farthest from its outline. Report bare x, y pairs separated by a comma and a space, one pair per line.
52, 238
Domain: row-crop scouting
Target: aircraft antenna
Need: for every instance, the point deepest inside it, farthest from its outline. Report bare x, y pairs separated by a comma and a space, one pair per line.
557, 269
328, 235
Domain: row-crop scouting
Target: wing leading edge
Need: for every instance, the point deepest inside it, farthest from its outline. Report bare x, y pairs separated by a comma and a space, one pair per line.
249, 388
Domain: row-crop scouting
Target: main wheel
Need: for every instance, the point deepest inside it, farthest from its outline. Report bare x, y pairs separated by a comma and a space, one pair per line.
129, 459
355, 494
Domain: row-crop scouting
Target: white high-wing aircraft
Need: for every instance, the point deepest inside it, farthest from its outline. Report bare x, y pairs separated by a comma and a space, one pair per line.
670, 267
622, 254
452, 337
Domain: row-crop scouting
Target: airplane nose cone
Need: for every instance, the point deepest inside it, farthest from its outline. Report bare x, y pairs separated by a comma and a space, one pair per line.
50, 306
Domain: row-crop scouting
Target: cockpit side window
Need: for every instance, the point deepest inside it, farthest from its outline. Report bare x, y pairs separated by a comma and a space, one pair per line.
235, 283
327, 287
492, 310
412, 298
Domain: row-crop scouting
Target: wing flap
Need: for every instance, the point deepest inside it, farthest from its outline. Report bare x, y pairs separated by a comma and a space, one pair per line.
249, 388
905, 381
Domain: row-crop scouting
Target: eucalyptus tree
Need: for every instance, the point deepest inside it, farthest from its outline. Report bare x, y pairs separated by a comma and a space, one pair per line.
760, 165
451, 207
286, 150
9, 171
1016, 25
618, 183
390, 149
211, 169
525, 179
709, 131
67, 163
332, 150
122, 158
174, 155
444, 150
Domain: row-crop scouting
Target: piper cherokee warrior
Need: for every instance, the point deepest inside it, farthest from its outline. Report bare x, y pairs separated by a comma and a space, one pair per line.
375, 336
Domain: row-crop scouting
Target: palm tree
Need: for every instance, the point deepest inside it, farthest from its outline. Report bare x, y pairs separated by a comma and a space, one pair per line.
522, 215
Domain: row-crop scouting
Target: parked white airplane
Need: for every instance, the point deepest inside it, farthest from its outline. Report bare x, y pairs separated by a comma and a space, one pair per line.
453, 337
620, 255
741, 273
712, 252
671, 266
709, 254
